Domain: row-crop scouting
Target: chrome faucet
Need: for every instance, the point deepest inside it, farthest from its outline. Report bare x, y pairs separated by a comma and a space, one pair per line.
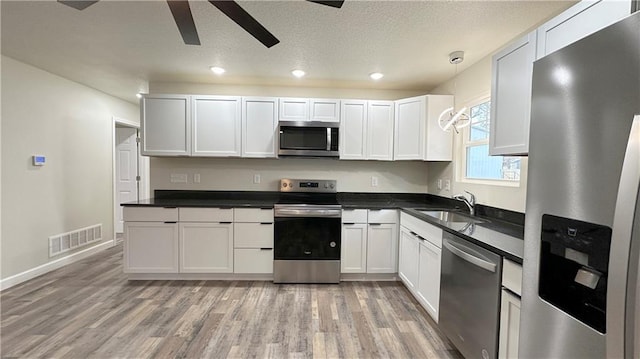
471, 202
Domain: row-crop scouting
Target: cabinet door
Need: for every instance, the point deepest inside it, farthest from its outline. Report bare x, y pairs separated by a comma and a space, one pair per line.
206, 247
150, 247
429, 278
511, 97
509, 326
579, 21
216, 126
353, 130
409, 129
353, 258
253, 260
294, 109
382, 248
326, 110
259, 126
408, 259
166, 125
380, 131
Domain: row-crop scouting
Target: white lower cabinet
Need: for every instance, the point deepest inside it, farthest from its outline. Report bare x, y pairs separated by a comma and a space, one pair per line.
509, 325
206, 247
510, 310
420, 260
429, 277
253, 241
408, 258
382, 248
150, 247
353, 258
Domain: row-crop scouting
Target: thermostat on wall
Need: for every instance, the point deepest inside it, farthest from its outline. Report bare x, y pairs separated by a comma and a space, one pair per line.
38, 160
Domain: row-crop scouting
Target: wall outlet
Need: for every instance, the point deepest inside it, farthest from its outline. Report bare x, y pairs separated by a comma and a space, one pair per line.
447, 185
178, 178
256, 178
439, 184
374, 181
196, 178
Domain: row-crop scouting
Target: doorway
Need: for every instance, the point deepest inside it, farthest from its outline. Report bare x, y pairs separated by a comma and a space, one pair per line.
129, 170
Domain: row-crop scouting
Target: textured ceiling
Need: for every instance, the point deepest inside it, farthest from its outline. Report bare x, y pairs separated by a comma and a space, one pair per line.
119, 46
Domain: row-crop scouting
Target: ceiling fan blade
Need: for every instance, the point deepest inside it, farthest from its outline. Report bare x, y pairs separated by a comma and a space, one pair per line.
336, 4
182, 15
246, 21
78, 4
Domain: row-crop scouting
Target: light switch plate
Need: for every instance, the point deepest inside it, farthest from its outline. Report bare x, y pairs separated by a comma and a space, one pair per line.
178, 178
256, 179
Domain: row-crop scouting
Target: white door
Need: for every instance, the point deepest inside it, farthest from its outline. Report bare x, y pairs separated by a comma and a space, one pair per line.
353, 130
166, 125
409, 129
216, 126
126, 171
382, 248
380, 131
259, 126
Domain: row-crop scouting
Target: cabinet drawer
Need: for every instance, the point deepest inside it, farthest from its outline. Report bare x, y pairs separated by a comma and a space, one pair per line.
383, 216
206, 214
255, 215
354, 216
150, 214
253, 235
512, 276
252, 260
425, 230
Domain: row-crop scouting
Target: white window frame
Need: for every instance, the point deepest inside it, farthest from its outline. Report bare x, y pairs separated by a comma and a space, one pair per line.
464, 143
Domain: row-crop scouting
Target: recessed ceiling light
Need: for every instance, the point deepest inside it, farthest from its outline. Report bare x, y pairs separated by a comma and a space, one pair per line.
376, 75
298, 73
139, 95
217, 70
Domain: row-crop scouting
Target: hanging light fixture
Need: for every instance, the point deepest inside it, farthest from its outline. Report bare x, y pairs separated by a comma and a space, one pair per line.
450, 118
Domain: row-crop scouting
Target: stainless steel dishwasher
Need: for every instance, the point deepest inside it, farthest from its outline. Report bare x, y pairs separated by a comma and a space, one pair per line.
470, 297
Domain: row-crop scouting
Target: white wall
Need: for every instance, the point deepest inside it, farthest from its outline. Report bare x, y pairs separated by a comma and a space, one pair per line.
71, 125
473, 83
237, 174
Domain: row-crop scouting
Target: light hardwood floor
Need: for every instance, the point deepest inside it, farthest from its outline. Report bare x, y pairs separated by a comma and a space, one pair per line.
90, 310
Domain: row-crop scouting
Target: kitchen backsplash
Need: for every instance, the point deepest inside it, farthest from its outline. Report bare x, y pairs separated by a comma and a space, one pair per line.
242, 174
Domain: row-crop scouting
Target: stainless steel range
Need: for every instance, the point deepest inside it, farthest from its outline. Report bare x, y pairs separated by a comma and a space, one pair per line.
307, 232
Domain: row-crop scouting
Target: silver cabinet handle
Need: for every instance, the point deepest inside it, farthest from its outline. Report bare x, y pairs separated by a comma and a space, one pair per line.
486, 265
621, 281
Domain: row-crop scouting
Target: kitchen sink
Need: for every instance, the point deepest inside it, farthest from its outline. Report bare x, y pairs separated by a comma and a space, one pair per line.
452, 217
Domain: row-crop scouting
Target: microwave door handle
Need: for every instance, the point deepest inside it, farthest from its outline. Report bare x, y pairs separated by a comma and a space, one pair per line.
624, 248
328, 138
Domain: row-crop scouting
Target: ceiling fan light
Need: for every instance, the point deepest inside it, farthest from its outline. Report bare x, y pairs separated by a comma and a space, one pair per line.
217, 70
442, 119
298, 73
456, 117
376, 75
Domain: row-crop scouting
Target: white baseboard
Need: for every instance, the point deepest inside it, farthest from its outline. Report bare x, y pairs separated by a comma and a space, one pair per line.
53, 265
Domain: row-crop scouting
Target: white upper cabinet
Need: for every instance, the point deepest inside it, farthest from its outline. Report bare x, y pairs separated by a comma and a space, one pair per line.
259, 126
417, 133
304, 109
326, 110
379, 130
216, 128
353, 130
512, 71
294, 109
581, 20
166, 125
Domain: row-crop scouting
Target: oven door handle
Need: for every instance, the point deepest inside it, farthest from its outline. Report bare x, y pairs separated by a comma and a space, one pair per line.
324, 213
479, 262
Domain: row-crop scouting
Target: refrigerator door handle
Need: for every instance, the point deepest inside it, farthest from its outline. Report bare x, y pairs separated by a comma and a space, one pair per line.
623, 270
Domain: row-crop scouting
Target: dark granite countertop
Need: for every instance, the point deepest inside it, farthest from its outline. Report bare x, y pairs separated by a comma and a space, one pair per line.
502, 233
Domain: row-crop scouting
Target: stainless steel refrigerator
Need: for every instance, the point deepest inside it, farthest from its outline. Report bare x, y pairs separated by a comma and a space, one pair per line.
581, 295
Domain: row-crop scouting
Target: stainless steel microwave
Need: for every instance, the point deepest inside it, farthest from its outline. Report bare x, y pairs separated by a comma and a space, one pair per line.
309, 138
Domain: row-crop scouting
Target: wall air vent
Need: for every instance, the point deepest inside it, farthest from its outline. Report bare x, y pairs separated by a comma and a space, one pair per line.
65, 242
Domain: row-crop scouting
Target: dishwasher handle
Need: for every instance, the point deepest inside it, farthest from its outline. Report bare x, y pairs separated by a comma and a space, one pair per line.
486, 265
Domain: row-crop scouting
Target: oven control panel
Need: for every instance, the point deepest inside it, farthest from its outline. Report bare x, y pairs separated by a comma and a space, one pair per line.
302, 185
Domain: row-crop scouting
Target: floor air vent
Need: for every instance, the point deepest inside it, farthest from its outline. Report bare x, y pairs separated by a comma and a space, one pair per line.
65, 242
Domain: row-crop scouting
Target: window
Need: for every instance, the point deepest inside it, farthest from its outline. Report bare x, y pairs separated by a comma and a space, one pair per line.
478, 164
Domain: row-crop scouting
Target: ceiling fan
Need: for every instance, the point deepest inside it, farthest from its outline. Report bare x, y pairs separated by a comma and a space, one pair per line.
182, 15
